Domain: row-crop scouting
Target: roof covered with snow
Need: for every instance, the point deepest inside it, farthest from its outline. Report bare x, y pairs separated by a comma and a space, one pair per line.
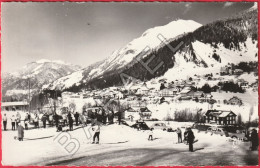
5, 104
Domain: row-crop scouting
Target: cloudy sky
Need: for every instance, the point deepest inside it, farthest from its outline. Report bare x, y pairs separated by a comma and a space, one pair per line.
83, 33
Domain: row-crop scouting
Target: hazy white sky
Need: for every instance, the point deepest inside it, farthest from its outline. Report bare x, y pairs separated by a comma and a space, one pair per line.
83, 33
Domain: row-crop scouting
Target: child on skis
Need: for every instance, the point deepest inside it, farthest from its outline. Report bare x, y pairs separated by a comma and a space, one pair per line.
150, 135
96, 129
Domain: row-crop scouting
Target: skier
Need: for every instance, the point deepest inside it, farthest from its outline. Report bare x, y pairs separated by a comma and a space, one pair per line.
179, 133
76, 116
5, 121
96, 129
13, 119
20, 132
190, 138
150, 135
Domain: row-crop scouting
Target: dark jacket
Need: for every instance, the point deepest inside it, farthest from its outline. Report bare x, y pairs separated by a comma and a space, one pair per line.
20, 131
190, 137
254, 138
76, 115
44, 118
56, 117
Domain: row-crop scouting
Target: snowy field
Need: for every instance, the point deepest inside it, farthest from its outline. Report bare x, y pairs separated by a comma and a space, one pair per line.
125, 146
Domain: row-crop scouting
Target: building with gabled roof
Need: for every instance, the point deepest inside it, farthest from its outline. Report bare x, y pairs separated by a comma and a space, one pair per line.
235, 101
220, 117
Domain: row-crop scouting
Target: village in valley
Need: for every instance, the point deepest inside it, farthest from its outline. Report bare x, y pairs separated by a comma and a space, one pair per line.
139, 100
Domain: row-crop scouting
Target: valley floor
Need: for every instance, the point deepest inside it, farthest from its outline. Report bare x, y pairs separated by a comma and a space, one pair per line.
121, 145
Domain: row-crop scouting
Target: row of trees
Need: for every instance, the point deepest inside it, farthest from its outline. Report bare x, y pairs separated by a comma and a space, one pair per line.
247, 66
226, 86
231, 87
186, 115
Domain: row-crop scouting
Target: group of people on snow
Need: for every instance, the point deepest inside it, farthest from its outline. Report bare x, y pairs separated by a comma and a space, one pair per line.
188, 137
68, 119
15, 120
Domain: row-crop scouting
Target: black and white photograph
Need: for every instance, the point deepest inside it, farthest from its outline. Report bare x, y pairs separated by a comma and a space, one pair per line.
129, 83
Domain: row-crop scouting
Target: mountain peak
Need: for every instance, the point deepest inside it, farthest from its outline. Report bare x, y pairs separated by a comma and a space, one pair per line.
205, 48
42, 61
124, 56
253, 7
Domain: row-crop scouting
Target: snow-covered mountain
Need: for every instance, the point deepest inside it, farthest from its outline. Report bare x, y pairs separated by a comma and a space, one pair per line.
39, 73
204, 49
122, 57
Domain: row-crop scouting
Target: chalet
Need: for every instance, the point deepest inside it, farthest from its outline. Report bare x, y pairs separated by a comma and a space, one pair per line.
13, 106
254, 86
206, 97
220, 117
107, 94
164, 80
235, 101
189, 84
223, 71
186, 92
198, 94
133, 88
169, 92
143, 90
152, 92
145, 113
238, 72
226, 70
132, 114
244, 85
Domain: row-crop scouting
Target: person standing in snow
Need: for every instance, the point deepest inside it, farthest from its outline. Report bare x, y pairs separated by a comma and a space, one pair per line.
29, 117
64, 117
70, 121
76, 116
150, 135
36, 121
20, 132
190, 139
56, 119
5, 121
82, 120
18, 118
51, 120
185, 140
254, 140
138, 127
26, 116
26, 122
13, 119
179, 133
44, 120
96, 129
